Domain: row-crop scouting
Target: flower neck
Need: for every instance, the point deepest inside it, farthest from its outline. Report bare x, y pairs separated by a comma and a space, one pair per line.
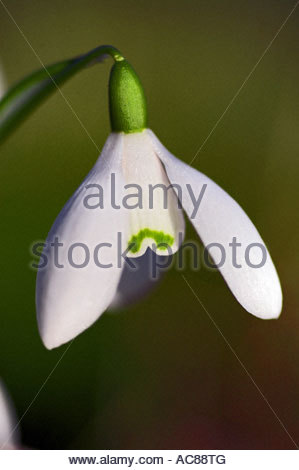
127, 104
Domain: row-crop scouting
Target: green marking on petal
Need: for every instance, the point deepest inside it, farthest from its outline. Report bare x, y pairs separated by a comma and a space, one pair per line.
163, 240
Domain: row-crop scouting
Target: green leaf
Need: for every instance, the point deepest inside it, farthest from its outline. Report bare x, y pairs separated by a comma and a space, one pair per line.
26, 95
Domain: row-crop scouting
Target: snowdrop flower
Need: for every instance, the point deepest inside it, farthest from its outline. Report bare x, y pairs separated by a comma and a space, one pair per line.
9, 436
83, 274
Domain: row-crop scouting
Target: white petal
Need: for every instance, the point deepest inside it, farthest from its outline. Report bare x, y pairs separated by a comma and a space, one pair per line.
218, 220
159, 220
9, 436
135, 283
70, 299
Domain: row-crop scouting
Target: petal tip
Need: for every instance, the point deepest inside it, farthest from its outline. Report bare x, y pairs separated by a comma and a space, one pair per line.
50, 342
269, 309
53, 338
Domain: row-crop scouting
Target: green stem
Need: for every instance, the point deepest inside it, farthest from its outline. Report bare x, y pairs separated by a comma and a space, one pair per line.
26, 95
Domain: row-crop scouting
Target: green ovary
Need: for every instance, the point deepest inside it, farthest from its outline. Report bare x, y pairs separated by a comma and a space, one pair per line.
163, 240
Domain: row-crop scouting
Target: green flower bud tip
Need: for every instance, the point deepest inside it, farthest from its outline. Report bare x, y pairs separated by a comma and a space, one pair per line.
127, 102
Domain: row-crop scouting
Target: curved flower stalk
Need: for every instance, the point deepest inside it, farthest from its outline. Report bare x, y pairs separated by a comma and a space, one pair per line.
2, 81
90, 275
9, 435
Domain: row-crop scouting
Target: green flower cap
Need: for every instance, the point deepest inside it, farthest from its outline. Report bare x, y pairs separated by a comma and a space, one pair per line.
127, 104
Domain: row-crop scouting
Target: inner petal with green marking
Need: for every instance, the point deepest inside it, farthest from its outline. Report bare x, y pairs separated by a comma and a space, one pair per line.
156, 220
163, 240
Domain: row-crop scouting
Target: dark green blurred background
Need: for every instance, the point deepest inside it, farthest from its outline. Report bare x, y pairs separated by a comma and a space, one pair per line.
157, 375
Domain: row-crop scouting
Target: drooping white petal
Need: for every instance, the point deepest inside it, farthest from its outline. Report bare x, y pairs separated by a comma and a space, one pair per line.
138, 281
156, 220
70, 298
218, 220
9, 434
